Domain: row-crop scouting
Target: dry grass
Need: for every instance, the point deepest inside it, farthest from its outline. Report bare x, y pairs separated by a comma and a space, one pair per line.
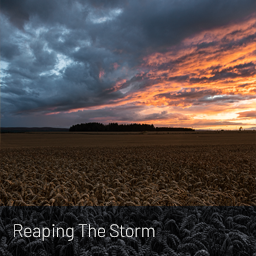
162, 175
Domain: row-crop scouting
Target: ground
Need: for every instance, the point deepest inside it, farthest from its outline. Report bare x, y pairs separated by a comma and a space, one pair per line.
191, 168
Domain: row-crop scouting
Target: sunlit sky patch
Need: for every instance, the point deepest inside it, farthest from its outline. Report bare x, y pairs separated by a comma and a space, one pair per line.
3, 67
168, 63
107, 16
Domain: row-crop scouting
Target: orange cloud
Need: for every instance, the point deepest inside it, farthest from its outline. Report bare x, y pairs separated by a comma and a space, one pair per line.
247, 114
214, 70
207, 81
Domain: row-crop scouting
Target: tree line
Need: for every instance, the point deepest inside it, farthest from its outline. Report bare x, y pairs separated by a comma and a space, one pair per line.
115, 127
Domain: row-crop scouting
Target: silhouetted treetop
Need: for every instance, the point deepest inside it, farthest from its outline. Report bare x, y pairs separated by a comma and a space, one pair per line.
115, 127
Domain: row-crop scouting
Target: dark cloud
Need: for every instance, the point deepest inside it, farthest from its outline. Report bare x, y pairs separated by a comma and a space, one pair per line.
189, 93
9, 50
16, 11
206, 45
237, 43
197, 96
244, 85
107, 4
165, 24
65, 55
246, 114
42, 58
241, 70
65, 12
243, 66
13, 90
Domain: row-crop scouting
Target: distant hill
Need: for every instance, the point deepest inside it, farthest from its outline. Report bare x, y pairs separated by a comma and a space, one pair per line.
31, 129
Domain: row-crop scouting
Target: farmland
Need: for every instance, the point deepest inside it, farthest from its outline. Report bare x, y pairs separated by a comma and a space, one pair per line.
176, 169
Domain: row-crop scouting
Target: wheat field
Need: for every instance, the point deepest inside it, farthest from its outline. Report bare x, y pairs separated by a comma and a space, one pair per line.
135, 175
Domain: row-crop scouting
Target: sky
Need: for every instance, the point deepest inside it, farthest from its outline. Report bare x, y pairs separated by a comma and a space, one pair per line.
175, 63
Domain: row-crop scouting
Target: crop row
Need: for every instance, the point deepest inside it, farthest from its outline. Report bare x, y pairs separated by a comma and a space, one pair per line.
134, 176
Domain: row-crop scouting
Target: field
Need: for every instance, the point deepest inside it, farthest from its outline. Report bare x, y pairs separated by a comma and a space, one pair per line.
124, 139
175, 169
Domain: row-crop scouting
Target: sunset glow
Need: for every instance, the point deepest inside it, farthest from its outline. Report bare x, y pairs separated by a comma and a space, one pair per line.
129, 69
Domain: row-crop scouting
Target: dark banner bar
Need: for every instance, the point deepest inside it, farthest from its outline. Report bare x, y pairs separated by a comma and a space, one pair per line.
128, 230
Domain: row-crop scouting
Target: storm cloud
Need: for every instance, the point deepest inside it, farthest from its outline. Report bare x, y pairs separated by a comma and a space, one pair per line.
124, 60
